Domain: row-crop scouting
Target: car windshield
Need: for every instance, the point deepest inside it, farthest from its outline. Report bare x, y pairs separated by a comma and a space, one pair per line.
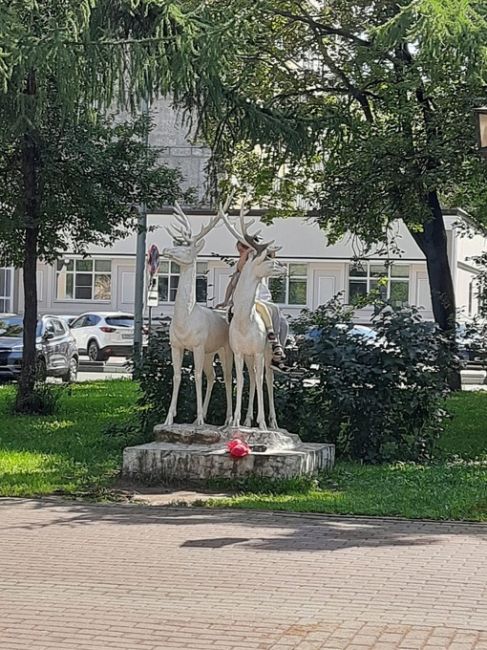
13, 327
120, 321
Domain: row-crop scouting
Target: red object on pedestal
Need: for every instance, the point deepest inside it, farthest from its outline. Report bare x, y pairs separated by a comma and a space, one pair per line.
238, 448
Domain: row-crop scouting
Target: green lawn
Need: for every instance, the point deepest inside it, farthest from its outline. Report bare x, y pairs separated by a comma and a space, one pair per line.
69, 452
453, 487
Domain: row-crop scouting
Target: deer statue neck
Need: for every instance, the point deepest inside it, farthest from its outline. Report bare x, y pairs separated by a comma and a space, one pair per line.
245, 293
186, 293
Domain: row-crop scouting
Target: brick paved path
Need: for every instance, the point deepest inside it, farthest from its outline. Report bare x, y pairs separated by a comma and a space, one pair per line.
83, 577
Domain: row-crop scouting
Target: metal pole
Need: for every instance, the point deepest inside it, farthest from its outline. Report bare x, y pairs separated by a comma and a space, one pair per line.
140, 268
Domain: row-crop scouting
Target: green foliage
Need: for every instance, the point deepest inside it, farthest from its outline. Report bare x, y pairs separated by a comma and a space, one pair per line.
374, 86
481, 284
475, 340
43, 400
377, 400
155, 377
91, 178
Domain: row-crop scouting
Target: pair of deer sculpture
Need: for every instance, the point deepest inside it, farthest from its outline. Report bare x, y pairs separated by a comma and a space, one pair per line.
206, 332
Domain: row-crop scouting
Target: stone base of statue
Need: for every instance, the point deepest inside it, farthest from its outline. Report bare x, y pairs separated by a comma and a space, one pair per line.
189, 453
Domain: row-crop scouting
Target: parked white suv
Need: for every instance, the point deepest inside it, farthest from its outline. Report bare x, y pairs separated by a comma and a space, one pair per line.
104, 334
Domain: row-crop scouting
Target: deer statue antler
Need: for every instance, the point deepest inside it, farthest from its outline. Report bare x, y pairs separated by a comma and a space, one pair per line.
250, 240
233, 231
180, 231
183, 220
244, 237
209, 226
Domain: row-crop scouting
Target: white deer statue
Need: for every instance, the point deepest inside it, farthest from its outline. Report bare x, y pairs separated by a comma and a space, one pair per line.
248, 334
195, 327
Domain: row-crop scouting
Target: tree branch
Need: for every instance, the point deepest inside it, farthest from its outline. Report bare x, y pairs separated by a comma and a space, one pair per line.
323, 29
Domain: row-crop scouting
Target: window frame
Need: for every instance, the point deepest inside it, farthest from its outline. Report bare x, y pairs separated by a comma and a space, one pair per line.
368, 278
93, 273
287, 281
171, 274
202, 276
7, 297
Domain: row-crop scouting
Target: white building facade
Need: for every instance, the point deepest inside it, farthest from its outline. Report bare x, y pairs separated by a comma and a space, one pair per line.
317, 270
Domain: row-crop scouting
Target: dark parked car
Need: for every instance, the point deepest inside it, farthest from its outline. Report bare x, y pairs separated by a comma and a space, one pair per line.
57, 355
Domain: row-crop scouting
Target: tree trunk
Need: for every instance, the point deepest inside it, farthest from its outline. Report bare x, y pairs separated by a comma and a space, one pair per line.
30, 177
433, 243
29, 357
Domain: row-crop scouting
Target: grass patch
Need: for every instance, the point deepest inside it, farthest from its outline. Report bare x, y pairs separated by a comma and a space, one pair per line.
455, 491
466, 431
79, 450
68, 452
452, 487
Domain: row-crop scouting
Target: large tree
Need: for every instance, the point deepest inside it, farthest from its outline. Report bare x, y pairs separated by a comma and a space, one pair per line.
90, 178
385, 92
67, 175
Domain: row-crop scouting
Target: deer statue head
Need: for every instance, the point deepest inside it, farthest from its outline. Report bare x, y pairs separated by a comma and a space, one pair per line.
261, 262
188, 245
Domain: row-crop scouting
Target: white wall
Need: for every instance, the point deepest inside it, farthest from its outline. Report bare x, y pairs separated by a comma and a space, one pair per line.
299, 238
301, 241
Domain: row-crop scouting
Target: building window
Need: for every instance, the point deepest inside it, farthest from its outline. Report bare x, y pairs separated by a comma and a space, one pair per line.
169, 273
292, 288
5, 290
168, 281
390, 281
201, 282
86, 279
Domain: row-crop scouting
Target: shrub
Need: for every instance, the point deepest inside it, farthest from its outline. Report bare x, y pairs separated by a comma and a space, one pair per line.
43, 400
376, 399
155, 376
475, 340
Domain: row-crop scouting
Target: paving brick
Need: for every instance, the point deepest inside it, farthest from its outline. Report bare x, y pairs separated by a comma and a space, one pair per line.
91, 577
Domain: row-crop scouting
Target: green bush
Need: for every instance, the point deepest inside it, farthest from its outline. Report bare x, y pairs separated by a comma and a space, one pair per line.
377, 399
43, 400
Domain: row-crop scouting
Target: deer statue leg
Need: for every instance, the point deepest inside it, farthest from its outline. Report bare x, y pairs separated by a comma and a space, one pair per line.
269, 378
199, 362
249, 361
259, 381
210, 380
226, 358
177, 362
239, 363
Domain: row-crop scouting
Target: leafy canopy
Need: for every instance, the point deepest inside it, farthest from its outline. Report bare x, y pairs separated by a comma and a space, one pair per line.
92, 177
385, 91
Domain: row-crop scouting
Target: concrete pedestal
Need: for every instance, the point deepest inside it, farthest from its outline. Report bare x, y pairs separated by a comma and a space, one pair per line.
201, 454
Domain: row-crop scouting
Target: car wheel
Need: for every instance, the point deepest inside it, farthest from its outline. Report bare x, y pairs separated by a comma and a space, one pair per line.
72, 374
94, 353
41, 369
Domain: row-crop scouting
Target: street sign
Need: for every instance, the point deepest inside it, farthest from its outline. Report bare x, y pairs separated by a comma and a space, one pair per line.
153, 293
153, 260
